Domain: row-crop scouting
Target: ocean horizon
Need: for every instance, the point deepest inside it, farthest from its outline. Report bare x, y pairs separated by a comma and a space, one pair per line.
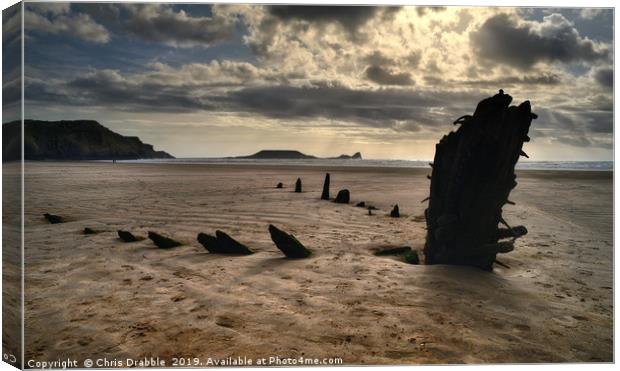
521, 165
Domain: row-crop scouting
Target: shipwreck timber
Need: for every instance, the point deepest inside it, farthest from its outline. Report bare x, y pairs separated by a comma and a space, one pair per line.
472, 176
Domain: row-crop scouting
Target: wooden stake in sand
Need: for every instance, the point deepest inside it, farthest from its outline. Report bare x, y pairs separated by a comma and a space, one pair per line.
473, 174
288, 244
126, 236
370, 209
298, 185
163, 242
53, 219
408, 255
223, 244
325, 194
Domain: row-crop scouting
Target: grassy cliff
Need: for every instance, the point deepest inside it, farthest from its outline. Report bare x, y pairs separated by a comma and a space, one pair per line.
72, 140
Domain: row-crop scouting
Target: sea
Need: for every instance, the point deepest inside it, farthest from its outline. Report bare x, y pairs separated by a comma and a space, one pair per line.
522, 165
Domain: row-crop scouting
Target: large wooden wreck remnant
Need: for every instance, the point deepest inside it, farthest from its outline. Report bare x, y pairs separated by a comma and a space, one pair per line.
472, 176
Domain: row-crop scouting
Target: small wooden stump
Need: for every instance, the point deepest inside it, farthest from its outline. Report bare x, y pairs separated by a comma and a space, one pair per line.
393, 251
411, 257
53, 219
343, 197
395, 213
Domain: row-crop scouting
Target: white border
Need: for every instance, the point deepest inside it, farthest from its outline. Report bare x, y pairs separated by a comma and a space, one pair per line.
506, 3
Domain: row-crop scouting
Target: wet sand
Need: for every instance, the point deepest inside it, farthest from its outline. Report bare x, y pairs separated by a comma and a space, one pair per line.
90, 296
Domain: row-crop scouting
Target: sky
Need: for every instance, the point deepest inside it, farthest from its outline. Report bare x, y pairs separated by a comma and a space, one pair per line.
205, 80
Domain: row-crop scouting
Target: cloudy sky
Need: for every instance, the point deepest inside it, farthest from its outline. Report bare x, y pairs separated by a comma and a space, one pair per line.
221, 80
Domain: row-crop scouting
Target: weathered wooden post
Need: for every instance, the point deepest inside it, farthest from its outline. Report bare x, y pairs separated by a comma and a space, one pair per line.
325, 194
472, 176
298, 185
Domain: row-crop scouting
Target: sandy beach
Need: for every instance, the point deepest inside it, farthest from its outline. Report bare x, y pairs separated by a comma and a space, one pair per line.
90, 296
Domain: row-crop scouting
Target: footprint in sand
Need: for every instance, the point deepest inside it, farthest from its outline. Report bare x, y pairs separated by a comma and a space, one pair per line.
177, 298
522, 327
65, 344
85, 341
227, 321
199, 307
140, 329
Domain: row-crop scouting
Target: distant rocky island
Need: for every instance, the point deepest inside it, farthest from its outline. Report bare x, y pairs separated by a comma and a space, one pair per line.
72, 140
355, 156
293, 155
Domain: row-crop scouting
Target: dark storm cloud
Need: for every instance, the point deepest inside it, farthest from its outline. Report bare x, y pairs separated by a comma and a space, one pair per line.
57, 19
350, 17
555, 39
544, 79
289, 22
405, 110
388, 108
383, 108
378, 58
605, 77
159, 23
100, 12
382, 76
422, 10
108, 89
380, 72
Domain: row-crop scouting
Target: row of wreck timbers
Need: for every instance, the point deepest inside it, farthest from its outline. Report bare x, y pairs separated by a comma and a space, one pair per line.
472, 175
